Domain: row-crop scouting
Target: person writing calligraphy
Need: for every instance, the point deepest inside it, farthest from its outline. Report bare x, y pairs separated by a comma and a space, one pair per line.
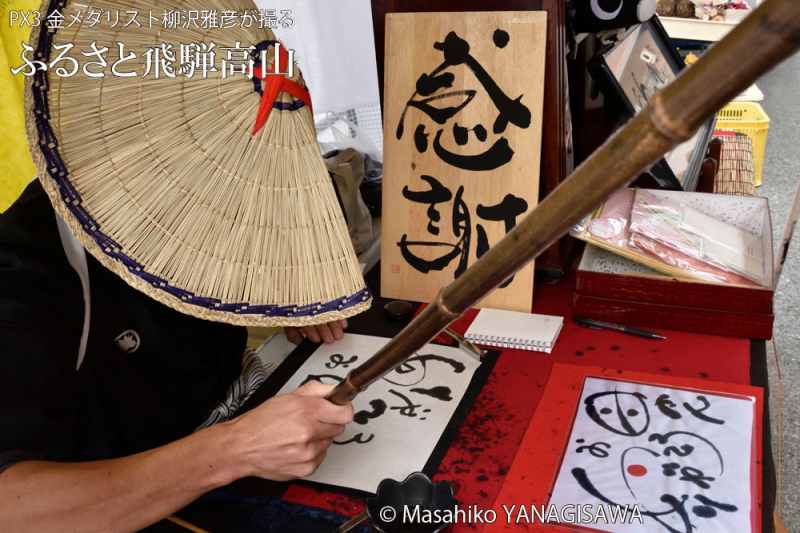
122, 367
111, 446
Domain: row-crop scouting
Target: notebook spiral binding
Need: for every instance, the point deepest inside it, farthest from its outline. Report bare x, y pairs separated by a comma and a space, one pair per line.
519, 343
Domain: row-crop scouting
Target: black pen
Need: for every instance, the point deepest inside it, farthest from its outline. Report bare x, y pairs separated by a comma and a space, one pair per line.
598, 324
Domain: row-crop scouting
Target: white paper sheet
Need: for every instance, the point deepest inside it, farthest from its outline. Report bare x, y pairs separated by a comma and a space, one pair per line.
334, 46
682, 456
726, 245
400, 418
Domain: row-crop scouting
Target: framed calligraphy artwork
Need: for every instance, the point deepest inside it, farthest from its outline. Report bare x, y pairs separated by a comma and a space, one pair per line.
463, 99
642, 453
630, 73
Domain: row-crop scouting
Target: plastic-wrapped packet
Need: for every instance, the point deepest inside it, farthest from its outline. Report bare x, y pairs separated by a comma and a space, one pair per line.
661, 219
694, 241
685, 262
611, 223
683, 234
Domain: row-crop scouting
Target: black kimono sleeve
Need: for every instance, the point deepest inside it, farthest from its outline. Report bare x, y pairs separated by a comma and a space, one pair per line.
41, 320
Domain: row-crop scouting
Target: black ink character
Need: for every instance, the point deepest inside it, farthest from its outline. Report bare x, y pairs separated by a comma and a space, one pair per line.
598, 449
666, 406
623, 413
507, 212
437, 194
501, 38
337, 360
709, 507
461, 133
461, 226
456, 52
326, 379
699, 413
670, 469
408, 409
358, 438
688, 474
421, 139
495, 157
683, 450
440, 393
414, 370
378, 409
440, 115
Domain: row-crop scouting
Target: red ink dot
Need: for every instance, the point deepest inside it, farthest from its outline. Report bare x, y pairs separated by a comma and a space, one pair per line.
637, 470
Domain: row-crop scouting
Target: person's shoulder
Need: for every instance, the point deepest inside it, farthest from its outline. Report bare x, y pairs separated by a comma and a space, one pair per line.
40, 295
30, 222
34, 271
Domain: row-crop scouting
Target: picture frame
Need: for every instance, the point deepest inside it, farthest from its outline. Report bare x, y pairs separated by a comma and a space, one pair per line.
543, 452
628, 73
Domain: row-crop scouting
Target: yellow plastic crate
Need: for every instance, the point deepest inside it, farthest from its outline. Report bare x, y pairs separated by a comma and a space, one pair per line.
750, 119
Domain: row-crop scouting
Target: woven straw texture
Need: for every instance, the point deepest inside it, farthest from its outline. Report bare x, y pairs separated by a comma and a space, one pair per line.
163, 182
736, 173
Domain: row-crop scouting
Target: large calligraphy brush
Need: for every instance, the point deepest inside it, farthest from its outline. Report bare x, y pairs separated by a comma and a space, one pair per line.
761, 41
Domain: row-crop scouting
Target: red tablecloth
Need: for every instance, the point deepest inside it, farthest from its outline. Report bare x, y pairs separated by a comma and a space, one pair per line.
481, 454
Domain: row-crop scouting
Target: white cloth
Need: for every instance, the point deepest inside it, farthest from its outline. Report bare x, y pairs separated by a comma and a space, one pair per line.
334, 46
76, 256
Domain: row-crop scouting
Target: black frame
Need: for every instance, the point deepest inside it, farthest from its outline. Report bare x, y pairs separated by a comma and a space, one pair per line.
609, 84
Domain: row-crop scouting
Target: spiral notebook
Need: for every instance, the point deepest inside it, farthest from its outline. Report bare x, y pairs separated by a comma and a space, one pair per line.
511, 329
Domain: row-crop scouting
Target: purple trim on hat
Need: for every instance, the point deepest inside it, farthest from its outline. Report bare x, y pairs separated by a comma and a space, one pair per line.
289, 106
48, 145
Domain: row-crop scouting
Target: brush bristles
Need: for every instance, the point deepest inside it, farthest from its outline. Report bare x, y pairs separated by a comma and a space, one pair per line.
169, 169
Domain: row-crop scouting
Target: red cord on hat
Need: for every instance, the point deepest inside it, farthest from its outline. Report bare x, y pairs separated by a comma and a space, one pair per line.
273, 84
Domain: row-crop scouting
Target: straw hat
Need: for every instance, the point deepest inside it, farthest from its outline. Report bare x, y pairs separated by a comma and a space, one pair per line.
206, 192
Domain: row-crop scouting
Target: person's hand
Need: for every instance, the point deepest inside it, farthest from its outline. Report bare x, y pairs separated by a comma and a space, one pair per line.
287, 436
327, 333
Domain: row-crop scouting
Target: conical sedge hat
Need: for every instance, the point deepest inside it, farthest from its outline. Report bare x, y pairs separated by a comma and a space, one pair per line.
186, 161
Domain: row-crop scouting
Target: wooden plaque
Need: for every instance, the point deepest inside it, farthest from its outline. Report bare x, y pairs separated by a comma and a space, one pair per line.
463, 101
